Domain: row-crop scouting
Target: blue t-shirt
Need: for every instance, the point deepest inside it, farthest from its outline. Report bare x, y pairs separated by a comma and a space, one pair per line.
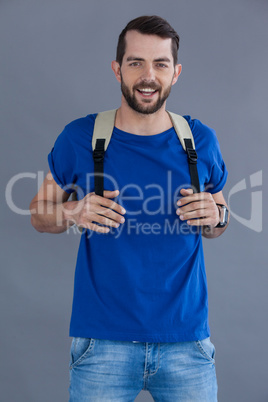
146, 280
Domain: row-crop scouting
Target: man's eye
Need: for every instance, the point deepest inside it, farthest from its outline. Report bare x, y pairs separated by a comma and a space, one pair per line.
161, 65
135, 64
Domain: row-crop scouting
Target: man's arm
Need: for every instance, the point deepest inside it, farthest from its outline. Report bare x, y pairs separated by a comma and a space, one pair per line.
200, 209
52, 212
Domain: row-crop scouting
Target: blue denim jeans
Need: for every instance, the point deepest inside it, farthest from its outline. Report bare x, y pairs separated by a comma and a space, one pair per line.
104, 371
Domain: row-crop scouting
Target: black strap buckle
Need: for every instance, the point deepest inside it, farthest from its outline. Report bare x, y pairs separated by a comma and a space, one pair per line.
98, 155
192, 156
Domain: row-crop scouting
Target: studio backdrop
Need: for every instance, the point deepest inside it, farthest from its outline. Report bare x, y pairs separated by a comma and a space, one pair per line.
55, 67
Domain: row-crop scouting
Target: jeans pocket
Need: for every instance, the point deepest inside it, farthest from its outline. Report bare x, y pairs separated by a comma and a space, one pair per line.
207, 349
80, 349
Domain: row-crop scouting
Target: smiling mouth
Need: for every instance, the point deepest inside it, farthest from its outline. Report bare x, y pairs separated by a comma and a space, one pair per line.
147, 91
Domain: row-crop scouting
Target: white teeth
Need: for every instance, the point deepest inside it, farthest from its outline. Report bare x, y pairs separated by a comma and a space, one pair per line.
147, 90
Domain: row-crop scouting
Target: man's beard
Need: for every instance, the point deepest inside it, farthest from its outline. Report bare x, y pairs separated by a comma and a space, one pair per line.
144, 107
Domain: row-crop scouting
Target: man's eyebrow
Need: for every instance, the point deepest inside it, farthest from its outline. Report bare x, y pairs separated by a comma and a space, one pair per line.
166, 59
134, 58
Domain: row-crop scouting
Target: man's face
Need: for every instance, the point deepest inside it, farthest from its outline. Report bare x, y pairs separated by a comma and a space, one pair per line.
147, 72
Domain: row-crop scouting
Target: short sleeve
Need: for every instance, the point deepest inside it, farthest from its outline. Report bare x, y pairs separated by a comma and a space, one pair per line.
218, 171
61, 162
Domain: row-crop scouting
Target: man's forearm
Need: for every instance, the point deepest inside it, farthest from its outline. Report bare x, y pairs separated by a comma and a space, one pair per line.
50, 217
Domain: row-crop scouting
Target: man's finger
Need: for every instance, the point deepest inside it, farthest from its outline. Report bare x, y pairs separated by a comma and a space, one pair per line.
186, 199
194, 197
109, 213
106, 202
186, 191
110, 194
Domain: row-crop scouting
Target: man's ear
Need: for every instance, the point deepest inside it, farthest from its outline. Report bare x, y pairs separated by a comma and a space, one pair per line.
177, 73
116, 69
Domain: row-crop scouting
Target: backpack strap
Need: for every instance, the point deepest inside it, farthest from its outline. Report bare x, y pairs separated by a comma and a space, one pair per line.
186, 138
103, 129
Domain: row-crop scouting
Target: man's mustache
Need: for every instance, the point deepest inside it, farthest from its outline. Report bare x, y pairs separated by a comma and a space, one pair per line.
144, 85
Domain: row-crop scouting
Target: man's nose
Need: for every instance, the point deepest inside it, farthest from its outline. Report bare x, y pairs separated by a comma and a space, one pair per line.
148, 73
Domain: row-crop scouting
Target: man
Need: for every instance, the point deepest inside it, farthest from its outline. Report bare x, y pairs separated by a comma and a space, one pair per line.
140, 316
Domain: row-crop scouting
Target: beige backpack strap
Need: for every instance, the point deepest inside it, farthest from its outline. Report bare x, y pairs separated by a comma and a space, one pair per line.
186, 138
104, 125
103, 128
182, 129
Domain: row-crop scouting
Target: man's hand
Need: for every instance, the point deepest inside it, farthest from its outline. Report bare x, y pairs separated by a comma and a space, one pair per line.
94, 208
52, 212
198, 209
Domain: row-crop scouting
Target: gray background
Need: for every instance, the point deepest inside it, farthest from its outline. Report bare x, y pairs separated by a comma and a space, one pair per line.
55, 67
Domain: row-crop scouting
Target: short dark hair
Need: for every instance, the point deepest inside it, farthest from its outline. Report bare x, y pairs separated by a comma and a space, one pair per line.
150, 25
